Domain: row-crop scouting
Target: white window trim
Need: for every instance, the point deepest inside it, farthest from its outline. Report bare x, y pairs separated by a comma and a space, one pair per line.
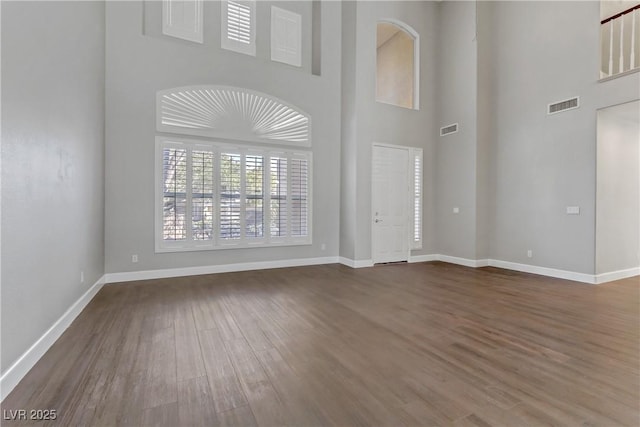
216, 243
229, 44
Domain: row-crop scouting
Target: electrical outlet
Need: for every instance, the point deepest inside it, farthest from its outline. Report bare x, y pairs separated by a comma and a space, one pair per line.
134, 258
323, 247
529, 253
456, 210
82, 277
573, 210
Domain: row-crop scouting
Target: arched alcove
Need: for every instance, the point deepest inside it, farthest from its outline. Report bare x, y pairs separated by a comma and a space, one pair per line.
397, 64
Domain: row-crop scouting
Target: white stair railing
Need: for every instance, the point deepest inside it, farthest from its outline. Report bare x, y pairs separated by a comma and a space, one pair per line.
622, 37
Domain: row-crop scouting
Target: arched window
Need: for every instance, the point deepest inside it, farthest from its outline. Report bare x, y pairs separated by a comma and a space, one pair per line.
238, 185
397, 64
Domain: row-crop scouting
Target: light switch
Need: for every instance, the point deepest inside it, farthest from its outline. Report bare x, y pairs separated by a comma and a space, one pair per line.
456, 210
573, 210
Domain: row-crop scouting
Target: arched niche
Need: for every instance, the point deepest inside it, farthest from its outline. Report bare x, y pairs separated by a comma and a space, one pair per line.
397, 64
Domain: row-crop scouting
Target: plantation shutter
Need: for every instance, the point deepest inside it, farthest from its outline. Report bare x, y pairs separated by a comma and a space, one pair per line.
238, 26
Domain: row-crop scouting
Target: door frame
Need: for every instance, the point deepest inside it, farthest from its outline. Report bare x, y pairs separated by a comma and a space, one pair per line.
408, 198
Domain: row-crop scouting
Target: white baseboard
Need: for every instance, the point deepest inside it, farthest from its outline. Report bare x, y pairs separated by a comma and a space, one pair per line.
23, 365
228, 268
211, 269
355, 263
544, 271
617, 275
423, 258
464, 261
526, 268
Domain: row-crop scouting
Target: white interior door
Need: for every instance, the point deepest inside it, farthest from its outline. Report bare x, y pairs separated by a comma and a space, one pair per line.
390, 200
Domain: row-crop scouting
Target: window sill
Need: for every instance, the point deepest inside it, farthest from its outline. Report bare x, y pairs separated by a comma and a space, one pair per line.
243, 245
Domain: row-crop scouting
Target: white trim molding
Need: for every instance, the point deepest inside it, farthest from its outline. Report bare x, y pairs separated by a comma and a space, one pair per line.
364, 263
356, 263
617, 275
533, 269
422, 258
12, 376
475, 263
130, 276
544, 271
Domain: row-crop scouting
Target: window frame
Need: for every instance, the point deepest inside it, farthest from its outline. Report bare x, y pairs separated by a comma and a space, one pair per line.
216, 243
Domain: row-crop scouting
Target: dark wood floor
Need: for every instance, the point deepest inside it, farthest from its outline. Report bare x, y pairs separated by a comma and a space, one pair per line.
418, 344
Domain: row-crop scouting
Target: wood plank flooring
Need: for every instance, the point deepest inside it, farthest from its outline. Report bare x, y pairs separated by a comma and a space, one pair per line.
402, 344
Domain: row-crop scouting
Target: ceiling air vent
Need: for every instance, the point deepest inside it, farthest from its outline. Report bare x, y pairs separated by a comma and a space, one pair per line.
567, 104
447, 130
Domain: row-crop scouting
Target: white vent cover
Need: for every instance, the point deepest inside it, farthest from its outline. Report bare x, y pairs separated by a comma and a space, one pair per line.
231, 113
447, 130
567, 104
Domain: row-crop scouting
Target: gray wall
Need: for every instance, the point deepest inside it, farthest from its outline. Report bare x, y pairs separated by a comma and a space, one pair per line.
366, 121
348, 132
547, 51
456, 154
52, 163
139, 64
618, 189
485, 104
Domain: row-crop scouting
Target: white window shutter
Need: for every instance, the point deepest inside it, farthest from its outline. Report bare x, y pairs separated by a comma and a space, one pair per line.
212, 195
239, 26
183, 19
278, 197
286, 36
416, 200
299, 196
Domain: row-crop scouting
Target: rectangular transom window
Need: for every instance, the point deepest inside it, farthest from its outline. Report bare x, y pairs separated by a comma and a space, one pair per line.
183, 19
239, 26
213, 195
286, 36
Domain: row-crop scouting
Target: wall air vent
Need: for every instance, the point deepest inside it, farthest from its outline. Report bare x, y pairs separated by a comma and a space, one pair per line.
447, 130
560, 106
